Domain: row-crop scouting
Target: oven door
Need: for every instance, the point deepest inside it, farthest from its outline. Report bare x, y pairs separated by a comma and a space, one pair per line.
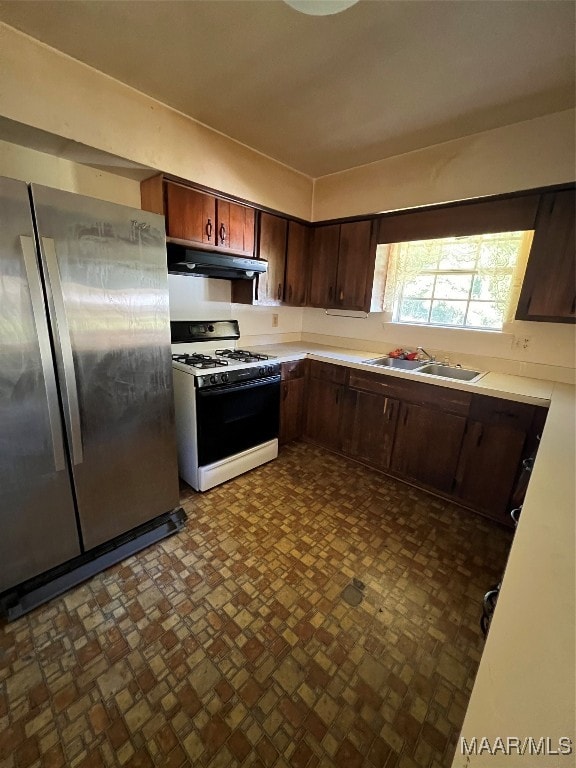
235, 417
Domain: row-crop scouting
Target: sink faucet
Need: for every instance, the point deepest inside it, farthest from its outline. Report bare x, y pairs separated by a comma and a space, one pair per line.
421, 351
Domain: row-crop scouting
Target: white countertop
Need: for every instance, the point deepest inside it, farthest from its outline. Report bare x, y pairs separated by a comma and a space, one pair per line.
519, 388
526, 682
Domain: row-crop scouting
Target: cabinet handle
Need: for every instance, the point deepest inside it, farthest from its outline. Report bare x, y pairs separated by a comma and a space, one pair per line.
341, 297
385, 406
222, 234
528, 464
330, 293
480, 436
209, 229
515, 514
507, 414
279, 291
528, 303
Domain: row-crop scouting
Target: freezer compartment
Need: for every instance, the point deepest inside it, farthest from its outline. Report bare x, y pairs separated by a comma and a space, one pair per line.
37, 518
104, 267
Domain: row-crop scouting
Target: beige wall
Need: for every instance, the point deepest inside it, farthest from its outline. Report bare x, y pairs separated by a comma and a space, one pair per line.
47, 90
40, 168
43, 89
533, 153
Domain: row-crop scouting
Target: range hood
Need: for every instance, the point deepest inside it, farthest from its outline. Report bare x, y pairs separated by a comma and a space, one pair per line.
185, 261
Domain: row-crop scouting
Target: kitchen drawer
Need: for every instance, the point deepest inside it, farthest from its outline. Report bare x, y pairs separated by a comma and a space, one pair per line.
498, 412
295, 369
446, 399
337, 374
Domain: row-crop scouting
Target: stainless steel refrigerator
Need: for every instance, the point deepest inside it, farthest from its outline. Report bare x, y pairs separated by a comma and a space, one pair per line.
88, 469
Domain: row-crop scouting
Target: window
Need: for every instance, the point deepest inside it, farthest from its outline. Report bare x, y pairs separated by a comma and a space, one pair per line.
466, 282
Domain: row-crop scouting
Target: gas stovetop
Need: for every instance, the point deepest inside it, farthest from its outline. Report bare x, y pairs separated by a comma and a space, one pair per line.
203, 350
213, 371
222, 358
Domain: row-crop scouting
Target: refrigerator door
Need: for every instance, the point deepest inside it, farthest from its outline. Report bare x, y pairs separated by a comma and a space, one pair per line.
37, 520
106, 279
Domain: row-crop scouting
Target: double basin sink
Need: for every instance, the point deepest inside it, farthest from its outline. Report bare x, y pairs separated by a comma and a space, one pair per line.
428, 369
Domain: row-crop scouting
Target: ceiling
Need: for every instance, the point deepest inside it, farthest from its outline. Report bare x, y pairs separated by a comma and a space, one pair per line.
326, 93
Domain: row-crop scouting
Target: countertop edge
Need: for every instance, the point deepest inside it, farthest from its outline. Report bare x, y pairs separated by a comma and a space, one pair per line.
505, 386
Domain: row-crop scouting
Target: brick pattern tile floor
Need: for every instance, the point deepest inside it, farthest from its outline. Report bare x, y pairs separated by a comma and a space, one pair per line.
232, 642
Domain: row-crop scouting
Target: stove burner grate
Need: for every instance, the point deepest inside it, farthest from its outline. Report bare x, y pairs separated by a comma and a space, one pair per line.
198, 360
243, 355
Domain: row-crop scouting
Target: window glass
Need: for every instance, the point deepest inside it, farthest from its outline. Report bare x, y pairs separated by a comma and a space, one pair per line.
468, 282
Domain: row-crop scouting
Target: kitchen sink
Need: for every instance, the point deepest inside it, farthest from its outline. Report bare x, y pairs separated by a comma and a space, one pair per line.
449, 372
395, 362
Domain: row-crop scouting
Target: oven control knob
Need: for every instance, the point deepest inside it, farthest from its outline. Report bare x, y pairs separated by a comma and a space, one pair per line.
261, 371
213, 379
224, 377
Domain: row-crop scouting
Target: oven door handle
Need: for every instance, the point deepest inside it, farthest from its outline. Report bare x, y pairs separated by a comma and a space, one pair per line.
237, 385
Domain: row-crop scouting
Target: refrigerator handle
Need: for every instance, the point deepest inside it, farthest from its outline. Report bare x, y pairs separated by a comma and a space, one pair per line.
70, 389
38, 313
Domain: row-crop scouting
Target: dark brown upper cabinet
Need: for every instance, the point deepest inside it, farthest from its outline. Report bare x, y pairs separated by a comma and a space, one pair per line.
549, 288
199, 219
272, 248
297, 264
283, 243
342, 265
235, 227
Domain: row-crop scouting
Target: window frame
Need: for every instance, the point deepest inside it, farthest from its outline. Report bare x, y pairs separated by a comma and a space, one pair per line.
393, 300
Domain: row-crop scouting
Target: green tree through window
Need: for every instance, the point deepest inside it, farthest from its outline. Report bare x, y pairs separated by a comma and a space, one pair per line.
455, 281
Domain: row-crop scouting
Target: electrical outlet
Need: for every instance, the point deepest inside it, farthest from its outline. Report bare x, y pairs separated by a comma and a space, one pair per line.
274, 320
522, 342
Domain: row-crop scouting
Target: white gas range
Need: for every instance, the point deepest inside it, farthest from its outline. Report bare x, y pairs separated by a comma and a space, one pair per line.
227, 403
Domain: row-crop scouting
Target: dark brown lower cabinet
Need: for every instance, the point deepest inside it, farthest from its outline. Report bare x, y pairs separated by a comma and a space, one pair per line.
427, 445
500, 434
291, 410
467, 447
489, 463
292, 391
368, 427
323, 412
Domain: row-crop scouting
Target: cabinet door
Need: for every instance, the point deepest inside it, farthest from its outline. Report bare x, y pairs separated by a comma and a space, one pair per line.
356, 258
323, 265
291, 410
272, 248
427, 446
369, 426
323, 409
235, 227
190, 215
489, 464
297, 252
549, 288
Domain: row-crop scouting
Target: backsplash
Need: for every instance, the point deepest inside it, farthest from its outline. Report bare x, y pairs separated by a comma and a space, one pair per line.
199, 298
537, 350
